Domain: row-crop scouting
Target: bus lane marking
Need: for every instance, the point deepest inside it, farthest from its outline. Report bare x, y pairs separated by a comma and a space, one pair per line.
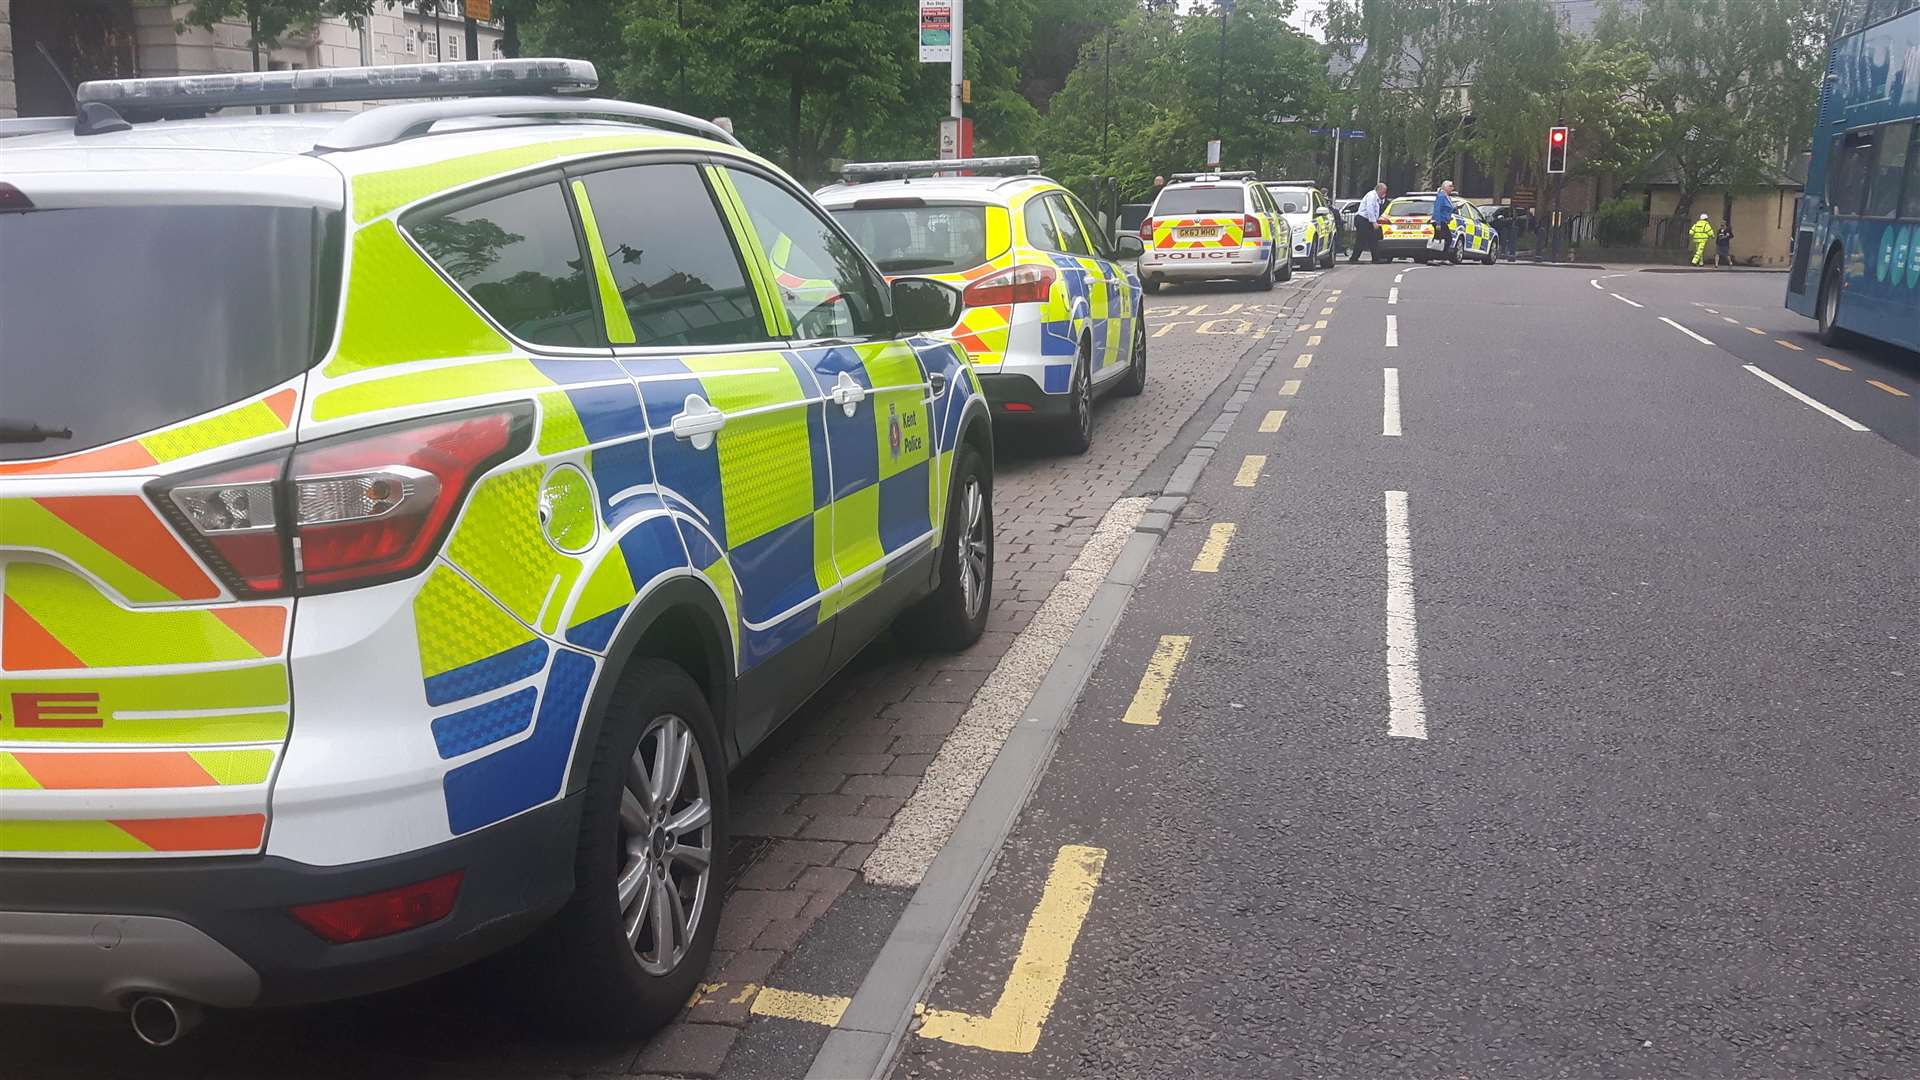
1039, 969
1215, 549
1406, 704
1835, 364
1788, 345
1894, 390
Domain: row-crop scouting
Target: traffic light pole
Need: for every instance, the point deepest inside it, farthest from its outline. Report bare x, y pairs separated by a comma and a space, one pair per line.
1559, 180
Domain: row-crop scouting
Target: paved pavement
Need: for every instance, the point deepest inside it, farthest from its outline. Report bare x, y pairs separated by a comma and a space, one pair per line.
1566, 733
810, 807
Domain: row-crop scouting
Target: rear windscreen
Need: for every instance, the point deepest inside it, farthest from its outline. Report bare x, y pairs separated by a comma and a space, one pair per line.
1176, 202
919, 239
1414, 208
118, 320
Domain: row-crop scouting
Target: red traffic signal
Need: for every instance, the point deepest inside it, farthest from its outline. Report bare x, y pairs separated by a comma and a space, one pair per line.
1557, 150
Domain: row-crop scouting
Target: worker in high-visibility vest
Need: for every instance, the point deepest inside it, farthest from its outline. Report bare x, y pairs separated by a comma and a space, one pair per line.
1702, 235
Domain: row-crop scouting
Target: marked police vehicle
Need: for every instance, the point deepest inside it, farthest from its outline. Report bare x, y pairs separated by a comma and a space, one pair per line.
1406, 224
1310, 217
1052, 312
407, 518
1209, 226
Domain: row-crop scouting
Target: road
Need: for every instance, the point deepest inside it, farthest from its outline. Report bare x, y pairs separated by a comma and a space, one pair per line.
1567, 732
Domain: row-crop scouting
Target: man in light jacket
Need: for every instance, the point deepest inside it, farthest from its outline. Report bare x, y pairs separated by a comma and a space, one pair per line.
1366, 227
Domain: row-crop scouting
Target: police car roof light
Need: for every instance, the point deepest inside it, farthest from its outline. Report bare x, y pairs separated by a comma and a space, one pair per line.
1238, 174
309, 86
982, 166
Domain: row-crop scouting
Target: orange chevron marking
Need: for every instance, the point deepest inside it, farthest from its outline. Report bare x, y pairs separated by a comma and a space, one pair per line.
171, 769
126, 526
116, 458
25, 645
235, 833
282, 405
264, 628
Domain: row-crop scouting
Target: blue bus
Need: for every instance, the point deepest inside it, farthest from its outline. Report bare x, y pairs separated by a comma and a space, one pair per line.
1856, 258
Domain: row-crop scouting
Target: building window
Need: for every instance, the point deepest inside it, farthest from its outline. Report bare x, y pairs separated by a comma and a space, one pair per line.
453, 47
413, 45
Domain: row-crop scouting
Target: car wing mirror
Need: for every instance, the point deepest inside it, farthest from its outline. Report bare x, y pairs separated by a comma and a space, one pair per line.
923, 304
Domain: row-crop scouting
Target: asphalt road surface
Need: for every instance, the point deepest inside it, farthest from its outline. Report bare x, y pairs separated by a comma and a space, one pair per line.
1569, 731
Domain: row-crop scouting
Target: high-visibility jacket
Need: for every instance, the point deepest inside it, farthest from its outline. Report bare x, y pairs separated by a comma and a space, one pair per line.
1702, 230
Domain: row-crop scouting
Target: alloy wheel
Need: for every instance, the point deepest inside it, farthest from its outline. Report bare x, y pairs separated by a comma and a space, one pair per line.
973, 543
665, 844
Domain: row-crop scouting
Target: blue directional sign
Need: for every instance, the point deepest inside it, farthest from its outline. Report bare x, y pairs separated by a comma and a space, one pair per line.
1320, 131
1352, 133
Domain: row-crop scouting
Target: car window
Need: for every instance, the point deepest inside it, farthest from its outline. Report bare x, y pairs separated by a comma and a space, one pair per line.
918, 238
1292, 200
519, 257
1072, 235
674, 265
1101, 240
824, 283
1041, 230
1200, 199
1410, 208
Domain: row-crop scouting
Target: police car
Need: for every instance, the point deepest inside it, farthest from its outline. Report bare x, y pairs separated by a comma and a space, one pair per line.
1209, 226
1052, 307
1310, 217
1407, 224
407, 518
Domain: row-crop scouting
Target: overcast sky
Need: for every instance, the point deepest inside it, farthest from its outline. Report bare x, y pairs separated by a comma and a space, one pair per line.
1304, 12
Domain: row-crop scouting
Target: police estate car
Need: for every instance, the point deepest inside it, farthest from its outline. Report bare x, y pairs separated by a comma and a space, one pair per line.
1310, 216
408, 517
1053, 312
1207, 226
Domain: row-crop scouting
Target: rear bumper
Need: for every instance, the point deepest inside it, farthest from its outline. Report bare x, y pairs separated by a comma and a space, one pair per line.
1015, 398
217, 931
1401, 247
1200, 264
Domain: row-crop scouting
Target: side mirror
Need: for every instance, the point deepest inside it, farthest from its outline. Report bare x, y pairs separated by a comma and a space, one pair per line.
1130, 247
923, 304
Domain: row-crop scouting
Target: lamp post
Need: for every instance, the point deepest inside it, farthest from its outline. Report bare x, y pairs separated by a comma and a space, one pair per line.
1220, 95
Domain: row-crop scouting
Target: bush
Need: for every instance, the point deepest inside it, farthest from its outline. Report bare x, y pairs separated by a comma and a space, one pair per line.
1620, 222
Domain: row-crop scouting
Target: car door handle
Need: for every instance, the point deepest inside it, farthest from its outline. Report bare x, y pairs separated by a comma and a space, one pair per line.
699, 422
847, 394
938, 381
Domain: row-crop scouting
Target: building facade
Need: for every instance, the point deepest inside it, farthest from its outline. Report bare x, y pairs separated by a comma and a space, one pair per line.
46, 43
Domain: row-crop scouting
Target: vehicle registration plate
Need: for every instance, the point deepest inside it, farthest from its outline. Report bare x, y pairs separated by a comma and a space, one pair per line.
1196, 232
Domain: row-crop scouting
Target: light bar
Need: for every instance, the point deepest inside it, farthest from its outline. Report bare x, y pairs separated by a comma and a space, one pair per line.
1241, 174
465, 78
1017, 165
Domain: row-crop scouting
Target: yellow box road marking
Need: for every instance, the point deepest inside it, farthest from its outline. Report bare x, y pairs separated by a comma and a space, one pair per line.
1250, 470
1788, 345
1837, 365
1215, 549
1894, 390
1305, 359
1314, 340
1290, 388
1157, 682
1271, 421
1041, 967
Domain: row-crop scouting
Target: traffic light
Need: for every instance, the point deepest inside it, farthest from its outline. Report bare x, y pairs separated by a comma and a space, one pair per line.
1557, 150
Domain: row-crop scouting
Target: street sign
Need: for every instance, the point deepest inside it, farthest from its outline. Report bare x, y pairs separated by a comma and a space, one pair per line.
1353, 133
1524, 198
1319, 131
479, 9
936, 31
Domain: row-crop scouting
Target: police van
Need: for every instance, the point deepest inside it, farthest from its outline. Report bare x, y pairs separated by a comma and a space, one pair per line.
408, 517
1212, 226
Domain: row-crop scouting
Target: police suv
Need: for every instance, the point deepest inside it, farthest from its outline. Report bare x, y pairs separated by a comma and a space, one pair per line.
1209, 226
408, 517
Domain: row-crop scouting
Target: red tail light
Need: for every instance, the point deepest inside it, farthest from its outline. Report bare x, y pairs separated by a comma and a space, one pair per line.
361, 918
1250, 228
1146, 230
1024, 284
344, 512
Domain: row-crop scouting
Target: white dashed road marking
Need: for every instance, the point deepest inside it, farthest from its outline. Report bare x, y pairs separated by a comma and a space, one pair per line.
1390, 403
1406, 705
1685, 331
1393, 332
1805, 400
1625, 301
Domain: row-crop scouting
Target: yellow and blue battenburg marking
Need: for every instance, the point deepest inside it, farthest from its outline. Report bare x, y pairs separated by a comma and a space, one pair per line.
1108, 309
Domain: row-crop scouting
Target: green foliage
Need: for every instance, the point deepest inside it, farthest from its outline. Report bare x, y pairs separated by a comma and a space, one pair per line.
270, 20
1620, 222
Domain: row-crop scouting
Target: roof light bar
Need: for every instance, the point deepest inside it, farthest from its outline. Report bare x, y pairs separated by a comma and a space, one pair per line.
1016, 165
1241, 174
466, 78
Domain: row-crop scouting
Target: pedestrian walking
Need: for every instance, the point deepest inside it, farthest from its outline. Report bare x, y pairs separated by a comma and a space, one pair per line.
1508, 229
1723, 243
1442, 223
1701, 232
1366, 220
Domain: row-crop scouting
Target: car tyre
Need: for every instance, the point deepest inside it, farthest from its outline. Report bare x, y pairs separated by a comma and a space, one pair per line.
1135, 380
599, 966
954, 615
1264, 282
1827, 310
1150, 285
1327, 260
1076, 435
1286, 268
1489, 258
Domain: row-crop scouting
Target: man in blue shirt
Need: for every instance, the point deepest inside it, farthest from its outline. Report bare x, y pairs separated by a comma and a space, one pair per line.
1443, 222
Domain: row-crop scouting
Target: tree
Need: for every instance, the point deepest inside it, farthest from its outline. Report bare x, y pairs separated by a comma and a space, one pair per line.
1411, 63
269, 20
1735, 81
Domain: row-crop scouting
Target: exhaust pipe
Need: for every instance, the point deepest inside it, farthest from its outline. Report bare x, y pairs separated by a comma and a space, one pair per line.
162, 1021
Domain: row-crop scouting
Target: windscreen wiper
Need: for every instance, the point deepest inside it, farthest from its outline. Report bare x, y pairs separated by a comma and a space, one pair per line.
20, 431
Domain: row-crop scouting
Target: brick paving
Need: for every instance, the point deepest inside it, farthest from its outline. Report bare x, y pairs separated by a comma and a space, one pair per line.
808, 807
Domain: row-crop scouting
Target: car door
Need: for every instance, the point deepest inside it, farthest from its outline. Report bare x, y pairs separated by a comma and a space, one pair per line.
1089, 283
737, 454
1116, 313
876, 403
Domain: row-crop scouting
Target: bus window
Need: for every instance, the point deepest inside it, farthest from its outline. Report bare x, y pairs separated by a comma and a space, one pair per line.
1883, 199
1910, 204
1847, 189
